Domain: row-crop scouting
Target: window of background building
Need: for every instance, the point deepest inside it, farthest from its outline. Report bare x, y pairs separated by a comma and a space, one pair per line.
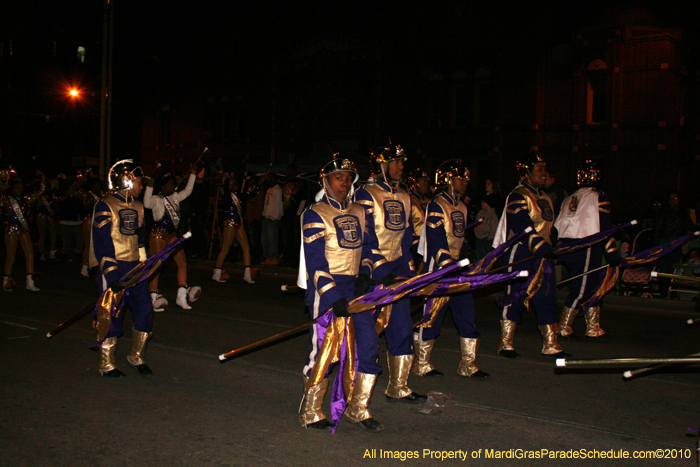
597, 94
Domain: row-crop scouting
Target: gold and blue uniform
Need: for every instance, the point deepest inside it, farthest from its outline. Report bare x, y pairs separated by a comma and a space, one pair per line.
115, 250
527, 206
334, 239
390, 236
445, 235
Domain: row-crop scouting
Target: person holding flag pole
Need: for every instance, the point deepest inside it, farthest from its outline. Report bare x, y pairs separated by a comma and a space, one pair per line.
444, 232
585, 212
117, 245
390, 230
528, 206
334, 243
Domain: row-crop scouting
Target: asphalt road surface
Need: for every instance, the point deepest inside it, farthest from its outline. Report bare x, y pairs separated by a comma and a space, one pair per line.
195, 411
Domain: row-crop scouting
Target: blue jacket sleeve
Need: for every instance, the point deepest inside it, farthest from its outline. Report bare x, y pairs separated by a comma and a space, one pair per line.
518, 219
317, 267
103, 243
436, 235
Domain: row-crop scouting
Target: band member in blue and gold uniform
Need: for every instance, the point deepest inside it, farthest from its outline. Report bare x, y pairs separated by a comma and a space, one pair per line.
528, 206
585, 213
390, 235
420, 191
334, 240
446, 221
166, 223
17, 208
118, 245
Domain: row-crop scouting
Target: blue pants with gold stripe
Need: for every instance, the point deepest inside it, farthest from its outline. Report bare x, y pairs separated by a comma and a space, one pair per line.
544, 302
138, 300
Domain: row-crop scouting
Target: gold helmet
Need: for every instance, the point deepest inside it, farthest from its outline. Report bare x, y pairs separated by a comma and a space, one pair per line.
526, 164
388, 152
122, 175
337, 164
414, 176
453, 168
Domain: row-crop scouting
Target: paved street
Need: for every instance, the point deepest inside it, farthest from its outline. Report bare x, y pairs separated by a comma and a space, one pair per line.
195, 411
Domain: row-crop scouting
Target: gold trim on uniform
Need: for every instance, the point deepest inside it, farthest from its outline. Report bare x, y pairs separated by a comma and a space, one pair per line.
389, 240
314, 237
343, 233
326, 288
320, 274
314, 225
99, 225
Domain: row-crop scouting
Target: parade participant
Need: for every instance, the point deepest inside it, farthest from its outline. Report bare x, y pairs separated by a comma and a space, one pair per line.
233, 228
91, 192
390, 235
45, 207
445, 232
334, 239
118, 244
420, 191
585, 213
528, 206
17, 208
166, 222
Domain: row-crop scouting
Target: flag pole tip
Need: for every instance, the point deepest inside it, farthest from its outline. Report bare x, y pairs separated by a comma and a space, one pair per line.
523, 273
627, 374
690, 321
654, 274
284, 288
222, 357
561, 362
188, 235
528, 230
634, 222
49, 335
696, 233
464, 262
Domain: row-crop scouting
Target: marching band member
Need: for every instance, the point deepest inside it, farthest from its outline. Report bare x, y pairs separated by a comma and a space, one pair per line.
17, 207
166, 217
584, 213
446, 221
528, 206
390, 236
117, 246
334, 238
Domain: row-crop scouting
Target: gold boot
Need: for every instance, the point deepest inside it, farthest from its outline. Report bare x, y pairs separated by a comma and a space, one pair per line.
311, 411
138, 350
593, 322
398, 390
421, 362
469, 348
507, 333
107, 365
549, 339
567, 318
357, 410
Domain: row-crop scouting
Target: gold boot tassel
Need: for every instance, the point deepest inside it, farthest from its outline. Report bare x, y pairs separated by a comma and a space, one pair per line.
549, 339
567, 318
593, 322
311, 411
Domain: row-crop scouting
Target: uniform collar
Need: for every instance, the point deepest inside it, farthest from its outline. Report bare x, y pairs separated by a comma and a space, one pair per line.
449, 198
537, 191
335, 204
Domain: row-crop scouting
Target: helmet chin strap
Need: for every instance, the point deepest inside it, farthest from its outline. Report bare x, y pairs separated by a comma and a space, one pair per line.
331, 195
